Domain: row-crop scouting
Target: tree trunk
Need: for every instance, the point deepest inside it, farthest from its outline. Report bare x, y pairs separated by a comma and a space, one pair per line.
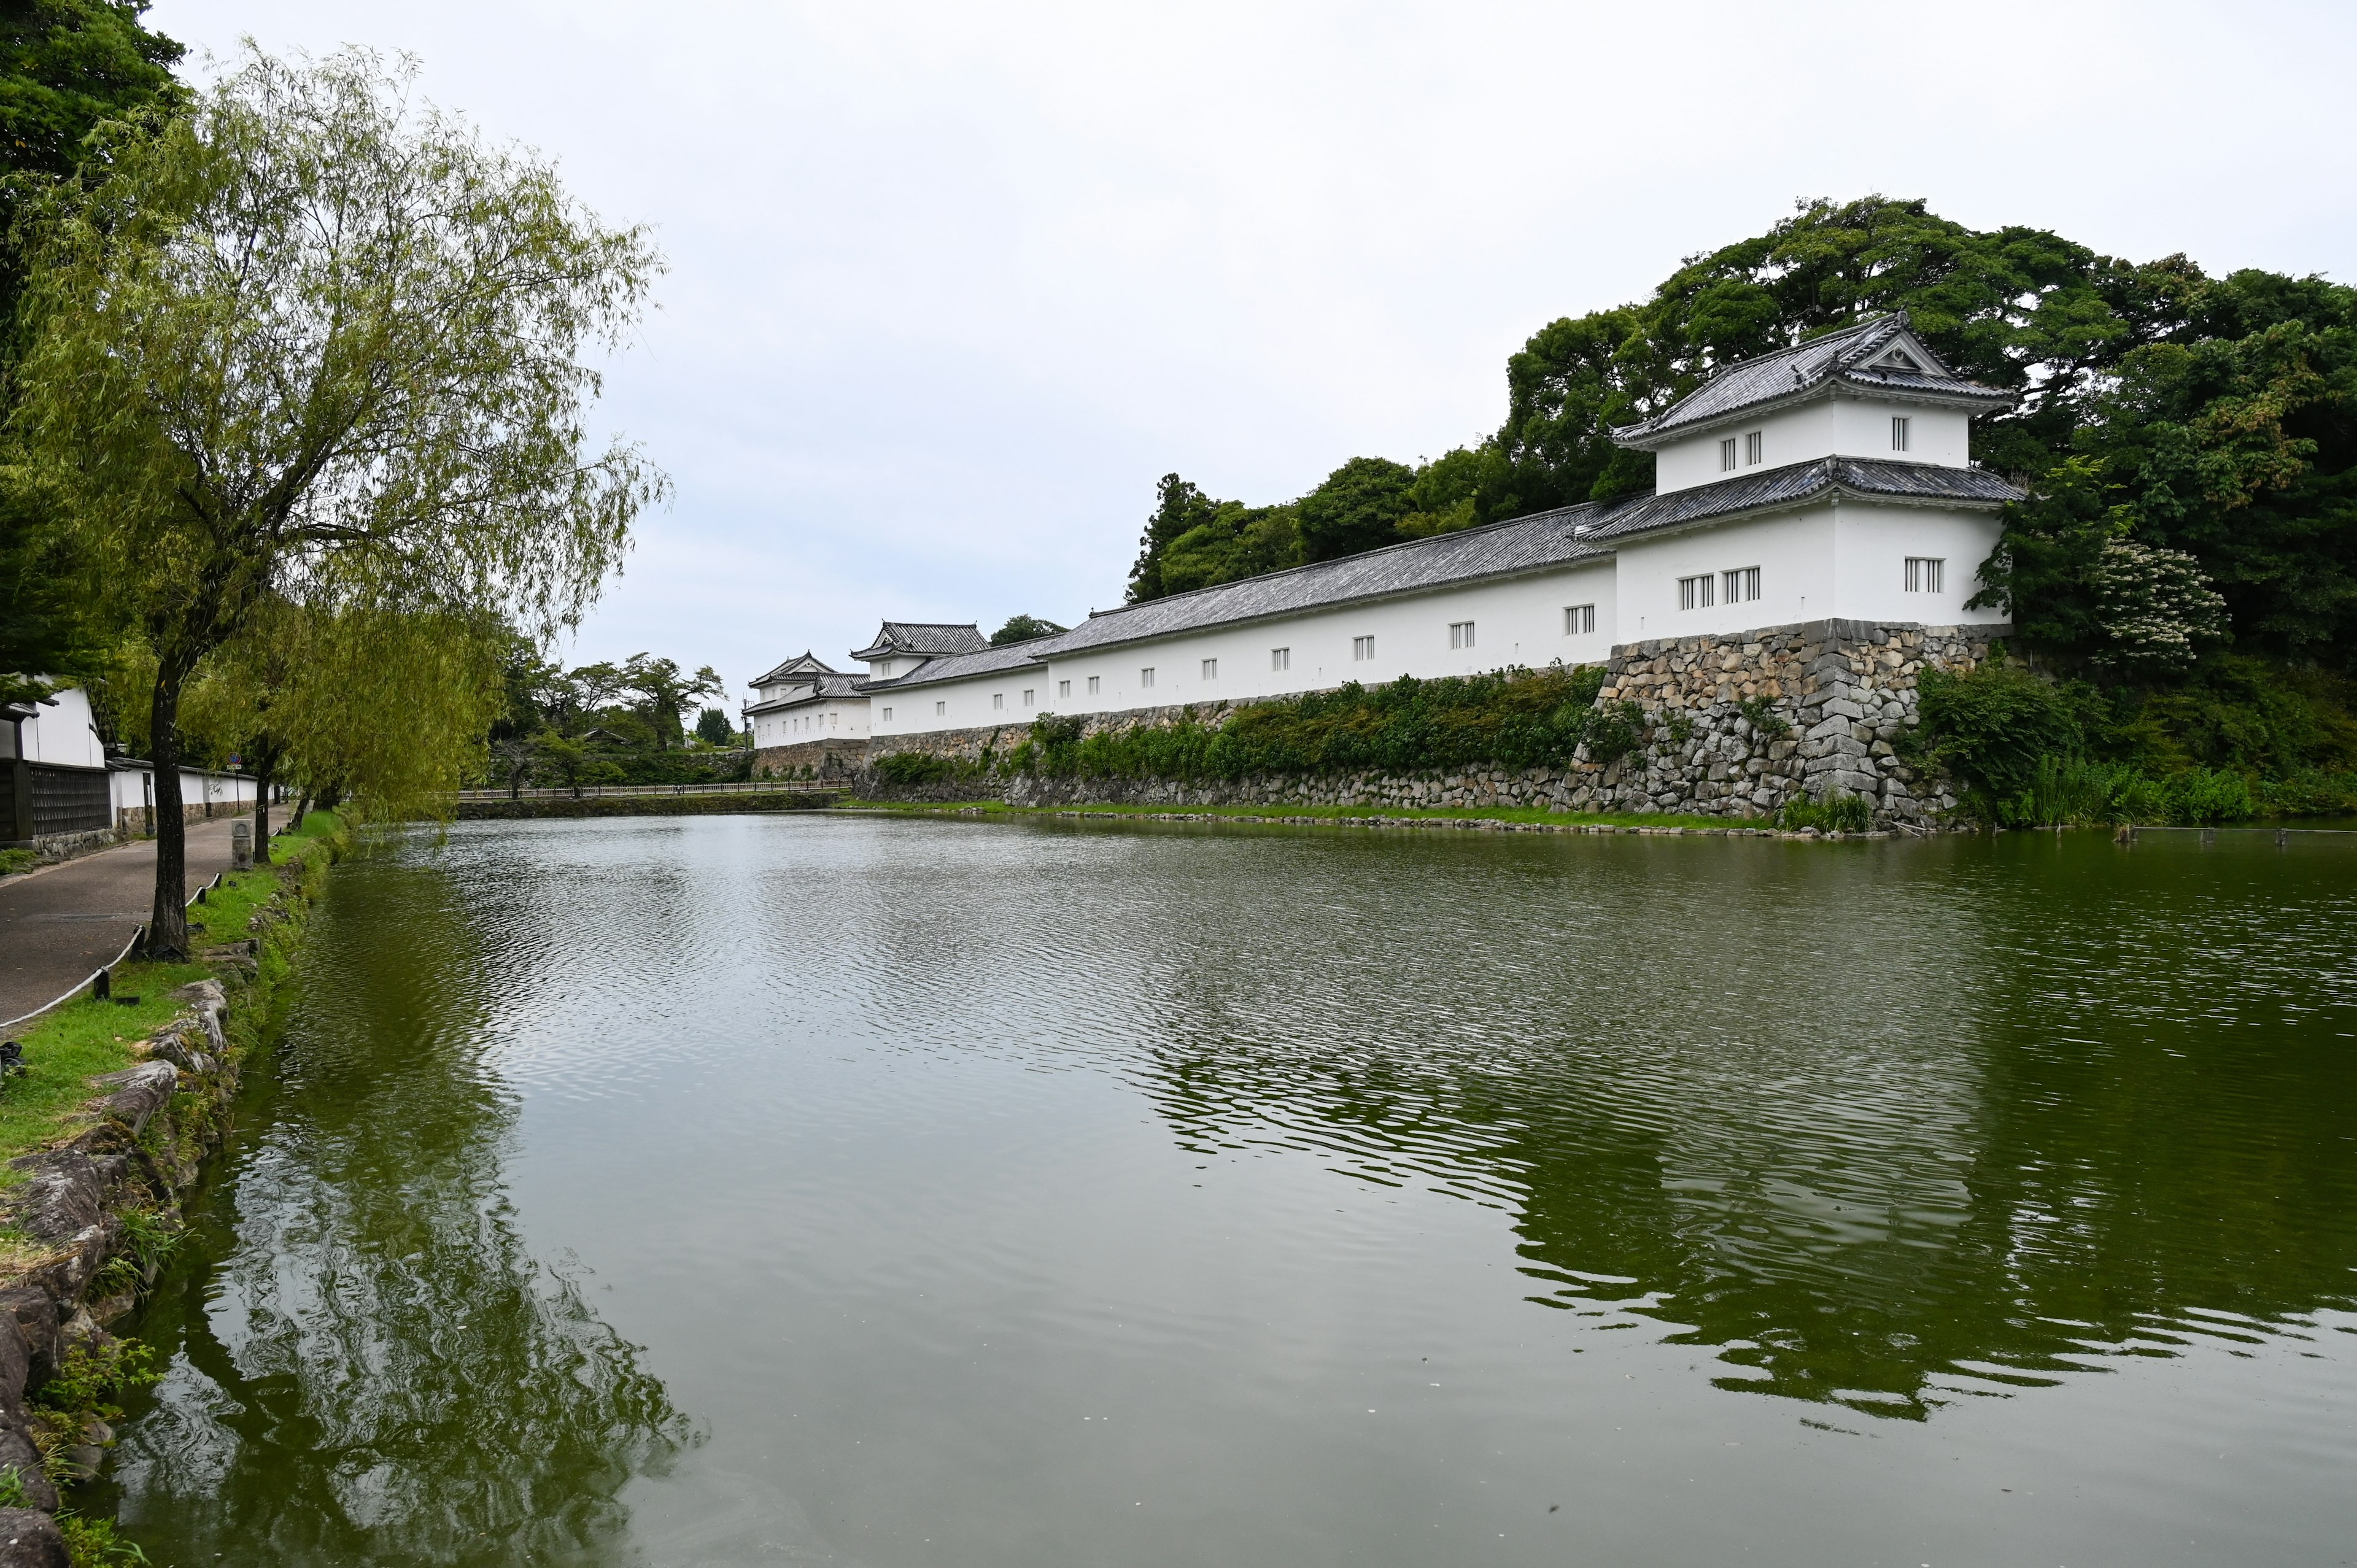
262, 779
167, 925
302, 810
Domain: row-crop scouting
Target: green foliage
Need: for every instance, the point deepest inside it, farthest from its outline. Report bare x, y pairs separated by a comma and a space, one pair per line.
70, 65
1615, 730
1763, 718
1358, 507
89, 1374
15, 861
1515, 718
713, 728
1023, 628
12, 1488
912, 768
305, 342
2241, 738
1991, 726
95, 1543
1838, 812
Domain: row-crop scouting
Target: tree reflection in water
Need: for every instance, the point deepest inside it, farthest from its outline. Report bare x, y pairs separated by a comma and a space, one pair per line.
376, 1369
1951, 1140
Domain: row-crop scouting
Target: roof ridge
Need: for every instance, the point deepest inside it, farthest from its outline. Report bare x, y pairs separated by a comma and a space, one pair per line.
1339, 560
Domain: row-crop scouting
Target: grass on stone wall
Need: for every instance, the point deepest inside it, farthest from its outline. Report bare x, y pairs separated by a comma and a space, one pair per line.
1507, 718
1286, 810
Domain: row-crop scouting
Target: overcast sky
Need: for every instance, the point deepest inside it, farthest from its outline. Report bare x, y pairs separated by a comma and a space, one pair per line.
952, 286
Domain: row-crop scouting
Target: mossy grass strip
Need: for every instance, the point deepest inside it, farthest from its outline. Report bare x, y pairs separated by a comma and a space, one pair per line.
68, 1045
1333, 813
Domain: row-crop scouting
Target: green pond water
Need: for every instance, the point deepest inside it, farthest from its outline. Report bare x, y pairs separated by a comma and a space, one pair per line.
873, 1191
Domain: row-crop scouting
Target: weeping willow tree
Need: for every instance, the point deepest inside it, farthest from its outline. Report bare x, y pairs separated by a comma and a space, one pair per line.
387, 708
310, 341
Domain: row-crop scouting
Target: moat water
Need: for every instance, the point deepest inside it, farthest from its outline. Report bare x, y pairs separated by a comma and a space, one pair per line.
867, 1191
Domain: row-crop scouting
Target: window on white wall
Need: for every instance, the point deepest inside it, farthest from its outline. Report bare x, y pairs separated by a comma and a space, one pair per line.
1739, 584
1753, 446
1063, 689
1695, 593
1898, 434
1727, 455
1926, 573
1145, 676
1460, 634
1030, 696
1095, 684
1280, 659
940, 710
998, 700
887, 715
1362, 649
1211, 668
1579, 620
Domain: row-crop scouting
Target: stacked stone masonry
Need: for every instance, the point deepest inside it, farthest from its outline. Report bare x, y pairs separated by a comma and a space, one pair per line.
1832, 699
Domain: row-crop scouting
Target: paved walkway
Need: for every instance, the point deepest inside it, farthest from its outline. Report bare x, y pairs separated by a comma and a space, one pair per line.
59, 924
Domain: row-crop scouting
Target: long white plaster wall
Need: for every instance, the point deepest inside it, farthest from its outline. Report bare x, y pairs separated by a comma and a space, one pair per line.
1872, 543
1861, 428
961, 704
1792, 551
60, 732
837, 718
1847, 426
1518, 620
1845, 560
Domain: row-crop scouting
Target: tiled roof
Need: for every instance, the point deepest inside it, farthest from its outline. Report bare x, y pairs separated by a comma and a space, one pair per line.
1811, 369
1924, 482
1498, 549
983, 660
924, 637
799, 664
830, 685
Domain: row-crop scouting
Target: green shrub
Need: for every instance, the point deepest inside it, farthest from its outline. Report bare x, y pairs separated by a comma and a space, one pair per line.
1763, 716
1838, 812
1515, 718
1992, 726
909, 768
13, 861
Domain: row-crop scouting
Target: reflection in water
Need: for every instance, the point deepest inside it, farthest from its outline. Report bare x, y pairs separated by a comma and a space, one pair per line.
1015, 1194
378, 1370
1934, 1141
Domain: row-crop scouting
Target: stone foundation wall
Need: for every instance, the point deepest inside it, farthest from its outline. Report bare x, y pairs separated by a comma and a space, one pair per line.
143, 1146
1828, 703
833, 759
1844, 690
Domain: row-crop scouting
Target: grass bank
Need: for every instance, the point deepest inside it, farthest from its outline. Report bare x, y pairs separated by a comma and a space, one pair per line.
68, 1047
1290, 813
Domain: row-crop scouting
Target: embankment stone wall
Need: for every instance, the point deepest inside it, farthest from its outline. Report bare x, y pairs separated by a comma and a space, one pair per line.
1736, 726
151, 1128
828, 761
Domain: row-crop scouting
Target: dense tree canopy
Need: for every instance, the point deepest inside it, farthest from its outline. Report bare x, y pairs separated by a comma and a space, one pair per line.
66, 66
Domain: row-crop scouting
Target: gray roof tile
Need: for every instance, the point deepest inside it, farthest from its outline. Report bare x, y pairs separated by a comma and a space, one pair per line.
1499, 549
1808, 369
1800, 482
983, 660
924, 637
